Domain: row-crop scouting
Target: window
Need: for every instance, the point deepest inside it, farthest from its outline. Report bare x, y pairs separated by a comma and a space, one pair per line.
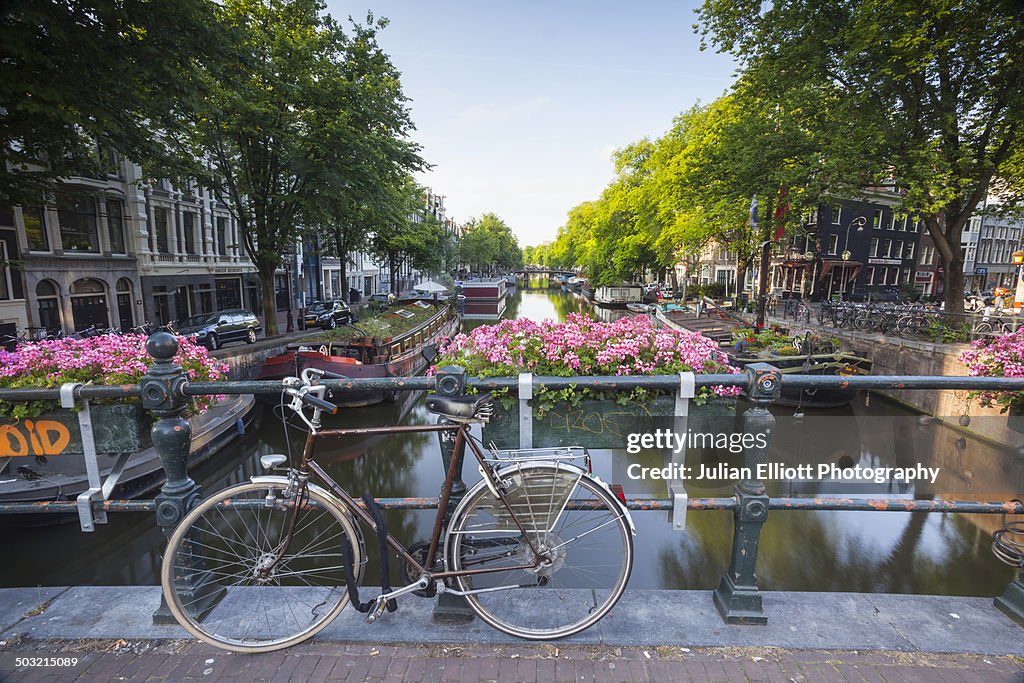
874, 247
115, 225
906, 276
887, 249
895, 276
833, 244
897, 249
222, 236
916, 225
837, 214
876, 220
927, 255
883, 273
871, 276
188, 221
899, 221
908, 250
811, 217
35, 228
160, 228
77, 216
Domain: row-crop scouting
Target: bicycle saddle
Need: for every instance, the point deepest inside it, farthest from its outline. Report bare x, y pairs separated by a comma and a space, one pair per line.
461, 408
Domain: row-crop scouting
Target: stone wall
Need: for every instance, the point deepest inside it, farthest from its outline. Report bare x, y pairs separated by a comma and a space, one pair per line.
245, 361
893, 356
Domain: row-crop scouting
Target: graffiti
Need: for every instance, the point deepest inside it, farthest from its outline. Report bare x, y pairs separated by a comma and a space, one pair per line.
33, 437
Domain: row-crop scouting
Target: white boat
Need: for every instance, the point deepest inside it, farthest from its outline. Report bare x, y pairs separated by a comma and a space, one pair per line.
618, 295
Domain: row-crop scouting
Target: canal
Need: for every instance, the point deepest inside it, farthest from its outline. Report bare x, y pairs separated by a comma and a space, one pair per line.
812, 551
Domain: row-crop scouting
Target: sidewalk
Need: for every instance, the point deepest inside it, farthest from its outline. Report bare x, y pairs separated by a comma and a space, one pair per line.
650, 635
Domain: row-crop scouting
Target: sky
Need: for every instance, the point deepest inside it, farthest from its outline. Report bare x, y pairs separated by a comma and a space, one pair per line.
518, 105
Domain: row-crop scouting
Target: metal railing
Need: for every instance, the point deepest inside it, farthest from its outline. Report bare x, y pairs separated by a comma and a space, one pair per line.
166, 392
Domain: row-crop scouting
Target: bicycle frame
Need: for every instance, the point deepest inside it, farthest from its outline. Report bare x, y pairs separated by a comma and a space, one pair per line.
309, 466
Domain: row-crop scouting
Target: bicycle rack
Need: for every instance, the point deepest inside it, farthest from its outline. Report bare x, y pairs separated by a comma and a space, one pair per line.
99, 489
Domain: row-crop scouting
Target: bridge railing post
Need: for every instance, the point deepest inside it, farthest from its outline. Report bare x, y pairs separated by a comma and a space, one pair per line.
737, 597
451, 381
163, 395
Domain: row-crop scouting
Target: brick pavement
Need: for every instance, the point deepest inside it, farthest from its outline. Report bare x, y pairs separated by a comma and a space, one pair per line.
183, 661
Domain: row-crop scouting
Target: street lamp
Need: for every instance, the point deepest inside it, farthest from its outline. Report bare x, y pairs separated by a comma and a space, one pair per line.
860, 222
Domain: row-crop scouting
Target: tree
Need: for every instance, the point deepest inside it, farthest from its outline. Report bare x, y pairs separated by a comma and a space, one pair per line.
410, 233
307, 133
80, 78
923, 95
488, 243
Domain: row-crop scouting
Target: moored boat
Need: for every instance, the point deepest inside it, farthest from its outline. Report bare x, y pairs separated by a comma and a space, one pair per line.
618, 296
62, 476
819, 357
400, 355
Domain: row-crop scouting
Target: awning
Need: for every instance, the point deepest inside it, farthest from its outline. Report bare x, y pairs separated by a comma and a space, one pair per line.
850, 267
430, 287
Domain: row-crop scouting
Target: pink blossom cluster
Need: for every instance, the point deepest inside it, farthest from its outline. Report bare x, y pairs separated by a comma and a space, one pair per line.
1001, 356
582, 346
105, 359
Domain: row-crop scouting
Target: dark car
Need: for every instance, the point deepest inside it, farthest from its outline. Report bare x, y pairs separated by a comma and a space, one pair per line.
328, 314
213, 330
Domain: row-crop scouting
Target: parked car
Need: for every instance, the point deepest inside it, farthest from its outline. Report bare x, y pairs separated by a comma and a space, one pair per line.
328, 314
213, 330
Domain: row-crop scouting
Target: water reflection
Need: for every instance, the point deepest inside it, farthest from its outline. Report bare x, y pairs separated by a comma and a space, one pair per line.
843, 551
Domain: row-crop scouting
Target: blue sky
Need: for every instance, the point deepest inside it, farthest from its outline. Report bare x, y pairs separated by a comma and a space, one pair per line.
519, 105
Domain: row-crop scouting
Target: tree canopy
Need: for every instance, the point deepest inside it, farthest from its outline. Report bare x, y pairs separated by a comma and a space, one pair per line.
312, 132
488, 244
80, 78
926, 96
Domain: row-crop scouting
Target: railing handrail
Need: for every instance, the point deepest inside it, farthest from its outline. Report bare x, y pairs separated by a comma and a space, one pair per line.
599, 382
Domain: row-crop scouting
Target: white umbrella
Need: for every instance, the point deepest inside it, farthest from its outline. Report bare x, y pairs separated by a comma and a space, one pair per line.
430, 287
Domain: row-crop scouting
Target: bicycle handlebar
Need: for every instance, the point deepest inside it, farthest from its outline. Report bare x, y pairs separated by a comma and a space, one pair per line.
317, 402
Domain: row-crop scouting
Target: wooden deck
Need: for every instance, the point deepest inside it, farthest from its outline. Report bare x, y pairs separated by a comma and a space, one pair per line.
712, 324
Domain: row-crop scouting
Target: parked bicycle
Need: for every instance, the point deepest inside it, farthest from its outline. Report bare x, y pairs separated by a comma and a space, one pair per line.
540, 548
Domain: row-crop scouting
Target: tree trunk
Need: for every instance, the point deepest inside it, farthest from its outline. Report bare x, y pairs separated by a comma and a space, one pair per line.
947, 242
266, 273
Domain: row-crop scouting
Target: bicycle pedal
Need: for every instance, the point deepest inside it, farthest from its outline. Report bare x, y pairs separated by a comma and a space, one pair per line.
379, 604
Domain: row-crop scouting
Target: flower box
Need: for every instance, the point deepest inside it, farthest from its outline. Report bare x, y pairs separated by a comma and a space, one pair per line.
606, 423
116, 428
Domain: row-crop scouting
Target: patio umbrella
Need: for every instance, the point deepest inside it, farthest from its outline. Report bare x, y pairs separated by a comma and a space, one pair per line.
430, 287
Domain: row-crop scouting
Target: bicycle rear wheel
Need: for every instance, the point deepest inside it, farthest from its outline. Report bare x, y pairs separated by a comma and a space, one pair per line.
228, 538
581, 533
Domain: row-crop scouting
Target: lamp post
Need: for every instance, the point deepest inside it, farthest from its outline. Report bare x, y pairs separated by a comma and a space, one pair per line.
859, 221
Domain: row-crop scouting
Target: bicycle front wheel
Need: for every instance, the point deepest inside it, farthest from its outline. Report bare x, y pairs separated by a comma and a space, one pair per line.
568, 569
230, 541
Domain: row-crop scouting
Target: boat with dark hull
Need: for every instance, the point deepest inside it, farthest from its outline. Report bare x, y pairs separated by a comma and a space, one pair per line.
367, 357
62, 476
824, 364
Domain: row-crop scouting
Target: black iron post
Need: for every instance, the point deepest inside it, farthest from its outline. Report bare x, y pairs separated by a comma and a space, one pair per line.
451, 381
737, 596
1011, 602
163, 395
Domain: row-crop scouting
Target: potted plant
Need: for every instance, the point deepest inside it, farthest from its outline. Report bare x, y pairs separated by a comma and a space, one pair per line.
44, 428
582, 346
1001, 356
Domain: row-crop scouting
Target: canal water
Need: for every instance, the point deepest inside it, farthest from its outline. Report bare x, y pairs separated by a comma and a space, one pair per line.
813, 551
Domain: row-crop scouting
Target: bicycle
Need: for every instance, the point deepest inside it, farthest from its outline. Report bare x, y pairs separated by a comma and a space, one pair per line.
539, 547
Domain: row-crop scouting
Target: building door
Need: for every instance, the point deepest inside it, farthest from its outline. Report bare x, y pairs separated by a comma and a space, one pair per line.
49, 306
125, 314
182, 309
89, 304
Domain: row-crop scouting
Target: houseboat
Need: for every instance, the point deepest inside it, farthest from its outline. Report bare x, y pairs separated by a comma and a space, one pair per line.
358, 357
54, 467
485, 299
618, 296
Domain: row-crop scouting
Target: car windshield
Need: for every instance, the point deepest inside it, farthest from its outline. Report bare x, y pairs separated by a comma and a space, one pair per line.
320, 306
199, 320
